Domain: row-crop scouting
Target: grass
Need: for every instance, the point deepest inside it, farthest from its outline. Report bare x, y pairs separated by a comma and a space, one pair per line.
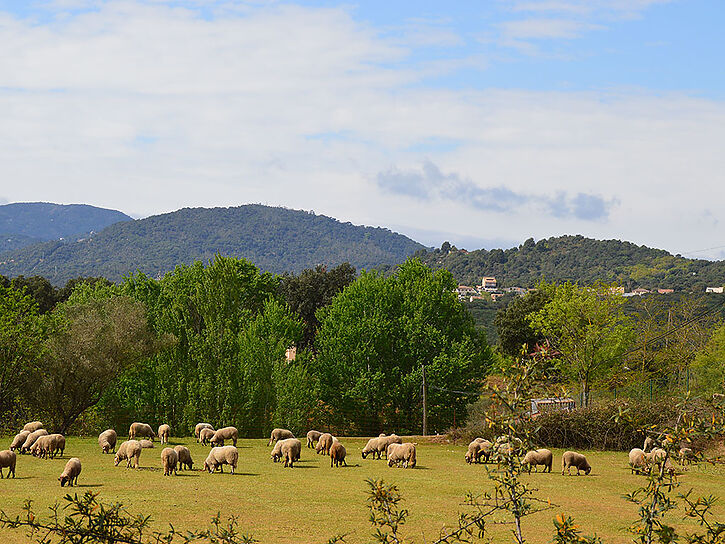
313, 502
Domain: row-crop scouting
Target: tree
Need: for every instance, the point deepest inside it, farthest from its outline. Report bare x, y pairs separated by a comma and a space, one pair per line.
709, 364
21, 341
95, 337
588, 328
512, 324
378, 332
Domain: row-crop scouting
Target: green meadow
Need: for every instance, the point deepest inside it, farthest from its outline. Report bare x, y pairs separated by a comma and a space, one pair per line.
313, 502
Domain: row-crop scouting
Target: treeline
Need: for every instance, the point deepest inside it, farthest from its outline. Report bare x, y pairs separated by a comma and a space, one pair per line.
578, 259
210, 343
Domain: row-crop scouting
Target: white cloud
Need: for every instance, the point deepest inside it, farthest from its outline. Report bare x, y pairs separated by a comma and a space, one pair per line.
149, 108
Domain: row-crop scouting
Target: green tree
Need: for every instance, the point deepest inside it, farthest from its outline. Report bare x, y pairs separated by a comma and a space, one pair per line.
709, 364
588, 327
21, 342
513, 326
376, 335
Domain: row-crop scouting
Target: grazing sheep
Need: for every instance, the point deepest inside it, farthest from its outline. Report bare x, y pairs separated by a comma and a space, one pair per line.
57, 444
657, 456
226, 433
33, 426
337, 454
280, 434
538, 457
146, 444
199, 427
479, 447
8, 458
107, 440
371, 448
686, 455
19, 440
205, 435
140, 429
637, 460
48, 446
291, 451
312, 437
169, 460
574, 459
385, 441
649, 442
30, 440
220, 456
71, 472
130, 450
324, 443
184, 457
164, 433
401, 453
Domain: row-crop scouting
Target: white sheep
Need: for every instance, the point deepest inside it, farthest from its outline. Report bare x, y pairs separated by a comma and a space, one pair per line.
312, 437
185, 459
146, 444
324, 443
33, 426
8, 459
538, 457
371, 448
225, 433
30, 440
169, 460
637, 460
574, 459
199, 427
479, 447
279, 434
205, 435
220, 456
130, 450
164, 433
19, 440
107, 440
401, 453
140, 429
70, 473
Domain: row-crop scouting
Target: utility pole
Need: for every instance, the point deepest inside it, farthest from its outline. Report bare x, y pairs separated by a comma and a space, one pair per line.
425, 404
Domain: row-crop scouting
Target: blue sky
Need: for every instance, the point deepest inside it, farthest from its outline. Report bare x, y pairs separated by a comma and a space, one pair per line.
482, 123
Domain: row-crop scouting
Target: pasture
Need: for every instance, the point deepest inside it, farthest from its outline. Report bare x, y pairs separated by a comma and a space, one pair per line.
312, 502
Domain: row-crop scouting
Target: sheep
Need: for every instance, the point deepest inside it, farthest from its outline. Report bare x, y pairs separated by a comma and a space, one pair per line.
657, 456
205, 435
538, 457
164, 433
385, 441
107, 440
33, 426
686, 455
19, 440
199, 427
312, 437
337, 454
39, 446
405, 453
220, 456
371, 448
130, 450
648, 443
223, 434
637, 460
478, 448
169, 460
279, 434
57, 444
30, 440
185, 459
287, 449
8, 458
140, 429
48, 446
324, 443
71, 472
146, 444
574, 459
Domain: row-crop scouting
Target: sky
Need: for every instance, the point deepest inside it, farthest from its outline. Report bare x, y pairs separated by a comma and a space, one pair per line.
482, 123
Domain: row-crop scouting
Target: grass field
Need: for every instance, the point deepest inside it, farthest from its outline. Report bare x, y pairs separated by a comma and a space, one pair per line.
312, 502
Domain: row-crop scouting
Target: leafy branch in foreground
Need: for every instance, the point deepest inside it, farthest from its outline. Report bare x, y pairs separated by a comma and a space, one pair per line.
87, 520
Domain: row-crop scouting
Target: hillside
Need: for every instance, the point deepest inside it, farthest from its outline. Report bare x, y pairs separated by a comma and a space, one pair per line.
581, 259
25, 223
275, 239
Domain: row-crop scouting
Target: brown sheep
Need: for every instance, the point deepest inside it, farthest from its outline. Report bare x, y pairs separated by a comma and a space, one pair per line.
220, 456
312, 437
226, 433
164, 433
8, 459
70, 473
107, 440
280, 434
140, 429
324, 443
130, 450
185, 459
146, 444
538, 457
169, 460
19, 440
478, 448
337, 454
574, 459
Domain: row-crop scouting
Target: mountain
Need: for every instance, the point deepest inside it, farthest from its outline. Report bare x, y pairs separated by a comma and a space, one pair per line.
579, 259
25, 223
275, 239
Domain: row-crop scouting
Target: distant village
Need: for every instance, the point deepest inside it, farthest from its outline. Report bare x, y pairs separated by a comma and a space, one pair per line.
489, 290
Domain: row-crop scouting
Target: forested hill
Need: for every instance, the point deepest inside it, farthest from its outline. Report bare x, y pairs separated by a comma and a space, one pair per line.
26, 223
580, 259
275, 239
